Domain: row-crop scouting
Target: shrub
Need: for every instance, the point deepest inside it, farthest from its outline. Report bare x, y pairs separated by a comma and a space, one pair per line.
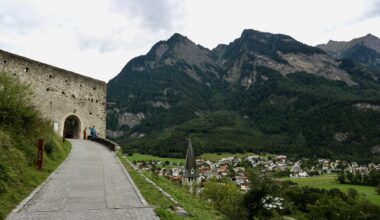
16, 111
226, 198
49, 147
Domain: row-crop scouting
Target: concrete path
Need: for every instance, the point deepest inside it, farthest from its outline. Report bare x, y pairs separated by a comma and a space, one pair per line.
91, 184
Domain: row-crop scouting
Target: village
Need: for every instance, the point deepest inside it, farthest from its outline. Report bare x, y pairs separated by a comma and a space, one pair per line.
235, 169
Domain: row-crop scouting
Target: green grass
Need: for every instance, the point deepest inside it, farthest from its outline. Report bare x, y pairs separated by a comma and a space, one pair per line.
23, 176
216, 157
21, 125
146, 157
153, 196
329, 182
195, 207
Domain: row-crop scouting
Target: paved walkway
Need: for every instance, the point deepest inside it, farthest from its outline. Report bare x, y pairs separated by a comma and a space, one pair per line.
90, 184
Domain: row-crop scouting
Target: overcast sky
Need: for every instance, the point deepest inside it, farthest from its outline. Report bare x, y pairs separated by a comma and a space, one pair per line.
98, 37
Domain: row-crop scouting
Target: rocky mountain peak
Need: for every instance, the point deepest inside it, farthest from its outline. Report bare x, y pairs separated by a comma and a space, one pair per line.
371, 41
178, 38
337, 48
249, 33
365, 50
177, 46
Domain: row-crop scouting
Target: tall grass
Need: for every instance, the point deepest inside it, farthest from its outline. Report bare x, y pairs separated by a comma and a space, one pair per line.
21, 125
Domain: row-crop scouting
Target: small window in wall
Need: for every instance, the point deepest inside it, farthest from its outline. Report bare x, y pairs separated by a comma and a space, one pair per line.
80, 85
96, 101
63, 92
50, 76
73, 96
94, 88
4, 62
47, 90
92, 100
90, 113
26, 69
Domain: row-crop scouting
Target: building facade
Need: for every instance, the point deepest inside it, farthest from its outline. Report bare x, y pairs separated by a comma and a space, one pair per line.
72, 102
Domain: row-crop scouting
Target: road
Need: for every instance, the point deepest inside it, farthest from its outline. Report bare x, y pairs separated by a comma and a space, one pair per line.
90, 184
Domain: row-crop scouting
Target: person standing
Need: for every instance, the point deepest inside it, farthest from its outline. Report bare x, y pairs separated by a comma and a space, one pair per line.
85, 133
93, 133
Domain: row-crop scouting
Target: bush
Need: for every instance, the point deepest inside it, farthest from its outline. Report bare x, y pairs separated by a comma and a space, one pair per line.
49, 146
226, 198
16, 110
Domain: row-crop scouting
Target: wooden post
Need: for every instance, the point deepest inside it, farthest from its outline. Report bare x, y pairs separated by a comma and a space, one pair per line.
40, 154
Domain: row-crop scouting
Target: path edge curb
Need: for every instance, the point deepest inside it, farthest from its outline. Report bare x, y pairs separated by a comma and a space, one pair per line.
24, 202
142, 199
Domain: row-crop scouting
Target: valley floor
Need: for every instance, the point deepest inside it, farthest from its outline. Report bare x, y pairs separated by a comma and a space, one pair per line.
330, 182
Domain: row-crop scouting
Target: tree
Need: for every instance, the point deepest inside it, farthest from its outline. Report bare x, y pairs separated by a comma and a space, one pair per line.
341, 177
358, 178
226, 198
17, 113
350, 177
374, 178
330, 208
352, 193
260, 187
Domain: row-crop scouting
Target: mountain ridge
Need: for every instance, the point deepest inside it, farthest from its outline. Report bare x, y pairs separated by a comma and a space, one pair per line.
271, 81
364, 50
369, 40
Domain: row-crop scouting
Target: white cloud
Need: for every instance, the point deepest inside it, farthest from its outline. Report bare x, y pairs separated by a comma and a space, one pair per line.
152, 14
97, 38
372, 10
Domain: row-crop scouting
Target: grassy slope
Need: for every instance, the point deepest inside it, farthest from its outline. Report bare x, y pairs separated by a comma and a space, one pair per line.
21, 125
197, 208
329, 182
23, 176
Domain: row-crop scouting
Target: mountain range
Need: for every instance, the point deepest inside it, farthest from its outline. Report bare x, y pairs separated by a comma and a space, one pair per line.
365, 50
262, 92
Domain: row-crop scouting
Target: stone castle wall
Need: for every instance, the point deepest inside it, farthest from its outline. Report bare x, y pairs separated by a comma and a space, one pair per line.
60, 93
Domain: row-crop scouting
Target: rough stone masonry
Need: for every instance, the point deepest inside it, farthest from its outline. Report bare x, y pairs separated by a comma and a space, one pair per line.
71, 101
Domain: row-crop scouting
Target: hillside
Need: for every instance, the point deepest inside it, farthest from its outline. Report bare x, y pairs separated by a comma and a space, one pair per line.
20, 128
262, 92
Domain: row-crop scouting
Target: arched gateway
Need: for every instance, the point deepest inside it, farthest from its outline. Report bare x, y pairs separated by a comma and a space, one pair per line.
69, 100
72, 127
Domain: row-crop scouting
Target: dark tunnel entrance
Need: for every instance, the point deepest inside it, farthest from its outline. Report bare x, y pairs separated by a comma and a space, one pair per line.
72, 127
